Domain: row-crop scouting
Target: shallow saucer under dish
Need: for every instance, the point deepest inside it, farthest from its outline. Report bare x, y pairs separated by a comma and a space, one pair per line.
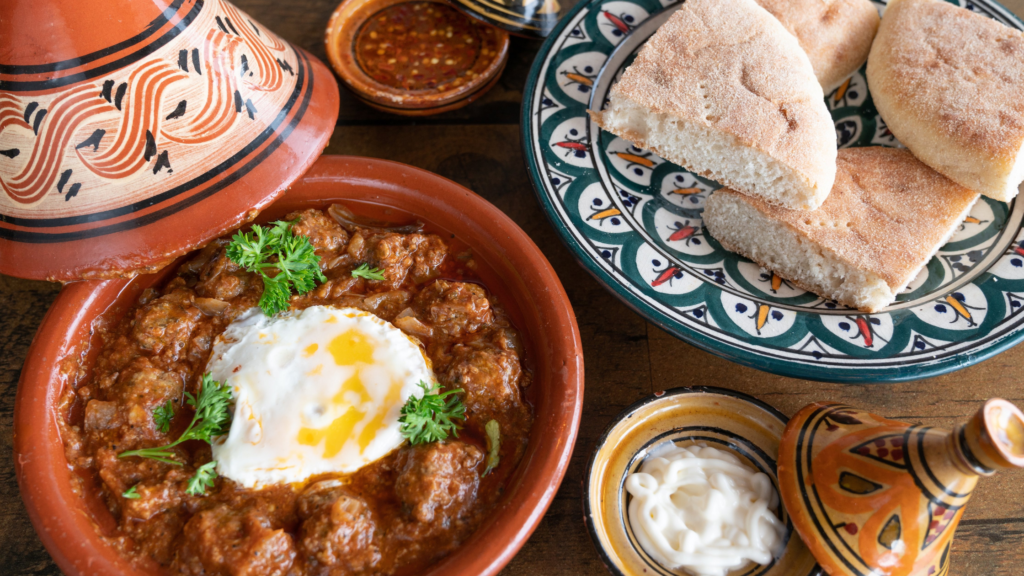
721, 418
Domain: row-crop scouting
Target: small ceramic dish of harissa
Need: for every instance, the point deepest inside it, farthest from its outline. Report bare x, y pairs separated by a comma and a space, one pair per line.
414, 57
384, 378
724, 431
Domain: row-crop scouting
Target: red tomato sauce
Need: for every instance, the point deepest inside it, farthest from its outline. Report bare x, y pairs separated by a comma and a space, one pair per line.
424, 46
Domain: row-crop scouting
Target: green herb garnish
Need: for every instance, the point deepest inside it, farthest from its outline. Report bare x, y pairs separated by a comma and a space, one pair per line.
493, 430
163, 415
430, 418
364, 271
202, 480
131, 493
275, 247
210, 420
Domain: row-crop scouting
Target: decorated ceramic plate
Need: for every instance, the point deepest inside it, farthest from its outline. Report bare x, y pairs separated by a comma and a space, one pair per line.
634, 221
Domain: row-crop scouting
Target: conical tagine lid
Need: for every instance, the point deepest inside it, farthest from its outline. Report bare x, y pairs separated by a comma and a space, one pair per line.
875, 497
132, 131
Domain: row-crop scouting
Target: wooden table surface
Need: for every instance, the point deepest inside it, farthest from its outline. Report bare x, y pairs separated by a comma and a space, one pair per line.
626, 357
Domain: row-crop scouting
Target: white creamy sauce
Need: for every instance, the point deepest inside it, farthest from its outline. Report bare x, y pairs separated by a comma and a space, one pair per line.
703, 510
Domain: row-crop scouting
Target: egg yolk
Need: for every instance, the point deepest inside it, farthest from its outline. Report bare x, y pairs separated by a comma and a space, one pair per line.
349, 349
318, 390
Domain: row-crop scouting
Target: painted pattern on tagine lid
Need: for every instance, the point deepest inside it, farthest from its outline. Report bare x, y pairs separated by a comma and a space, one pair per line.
876, 497
132, 131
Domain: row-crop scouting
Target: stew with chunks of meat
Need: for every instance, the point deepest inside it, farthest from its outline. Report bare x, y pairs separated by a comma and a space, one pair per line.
396, 515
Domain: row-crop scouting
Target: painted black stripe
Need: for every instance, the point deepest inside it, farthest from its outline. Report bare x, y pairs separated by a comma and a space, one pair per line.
42, 85
907, 441
972, 460
928, 469
804, 447
149, 30
45, 238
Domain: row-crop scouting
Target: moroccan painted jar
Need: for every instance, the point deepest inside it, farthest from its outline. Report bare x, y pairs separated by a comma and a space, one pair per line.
132, 131
872, 496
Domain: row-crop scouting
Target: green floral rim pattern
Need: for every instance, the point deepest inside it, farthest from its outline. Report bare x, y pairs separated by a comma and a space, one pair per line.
634, 221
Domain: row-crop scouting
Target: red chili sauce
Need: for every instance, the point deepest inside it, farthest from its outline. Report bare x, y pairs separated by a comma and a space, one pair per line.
424, 46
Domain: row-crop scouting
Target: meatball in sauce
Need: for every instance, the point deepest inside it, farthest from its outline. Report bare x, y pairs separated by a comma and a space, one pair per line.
396, 515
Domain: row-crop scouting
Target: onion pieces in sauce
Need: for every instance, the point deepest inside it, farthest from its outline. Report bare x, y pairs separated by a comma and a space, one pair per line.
350, 221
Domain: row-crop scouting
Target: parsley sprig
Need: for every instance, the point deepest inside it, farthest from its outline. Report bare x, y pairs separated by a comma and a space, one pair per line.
202, 480
431, 418
275, 247
163, 415
364, 271
212, 412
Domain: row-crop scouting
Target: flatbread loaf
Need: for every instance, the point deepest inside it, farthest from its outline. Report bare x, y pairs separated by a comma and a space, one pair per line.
884, 220
948, 84
724, 90
836, 34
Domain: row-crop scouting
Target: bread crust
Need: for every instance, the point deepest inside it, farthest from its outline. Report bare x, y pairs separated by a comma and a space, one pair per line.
730, 65
948, 84
888, 213
796, 283
835, 34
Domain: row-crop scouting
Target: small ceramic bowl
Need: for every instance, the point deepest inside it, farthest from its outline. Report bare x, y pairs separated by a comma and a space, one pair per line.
348, 34
512, 267
722, 419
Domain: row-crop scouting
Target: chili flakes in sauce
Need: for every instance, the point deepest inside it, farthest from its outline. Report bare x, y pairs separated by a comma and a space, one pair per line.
424, 46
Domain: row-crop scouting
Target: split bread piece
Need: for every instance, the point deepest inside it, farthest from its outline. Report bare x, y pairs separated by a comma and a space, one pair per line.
948, 84
725, 91
887, 215
835, 34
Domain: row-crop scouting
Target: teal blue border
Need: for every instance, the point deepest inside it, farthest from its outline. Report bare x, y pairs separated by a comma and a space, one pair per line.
788, 368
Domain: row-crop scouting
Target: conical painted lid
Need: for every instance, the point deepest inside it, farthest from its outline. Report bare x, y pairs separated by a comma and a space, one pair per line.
133, 131
876, 497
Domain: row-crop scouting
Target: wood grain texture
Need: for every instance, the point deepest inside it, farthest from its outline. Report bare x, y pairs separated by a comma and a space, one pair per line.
626, 357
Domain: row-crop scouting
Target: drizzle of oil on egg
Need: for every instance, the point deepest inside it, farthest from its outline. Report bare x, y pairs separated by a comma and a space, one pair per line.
316, 391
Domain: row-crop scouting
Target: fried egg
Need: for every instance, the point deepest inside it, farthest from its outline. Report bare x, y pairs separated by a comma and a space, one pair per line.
317, 390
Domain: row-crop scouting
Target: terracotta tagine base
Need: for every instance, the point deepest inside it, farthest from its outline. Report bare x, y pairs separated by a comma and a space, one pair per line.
874, 497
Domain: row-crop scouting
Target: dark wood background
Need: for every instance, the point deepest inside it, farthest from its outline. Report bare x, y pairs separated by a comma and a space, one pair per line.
626, 357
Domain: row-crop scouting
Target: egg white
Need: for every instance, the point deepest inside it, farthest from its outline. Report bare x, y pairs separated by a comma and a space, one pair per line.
316, 391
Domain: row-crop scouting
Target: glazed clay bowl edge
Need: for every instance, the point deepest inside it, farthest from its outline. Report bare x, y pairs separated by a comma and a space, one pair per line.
68, 529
